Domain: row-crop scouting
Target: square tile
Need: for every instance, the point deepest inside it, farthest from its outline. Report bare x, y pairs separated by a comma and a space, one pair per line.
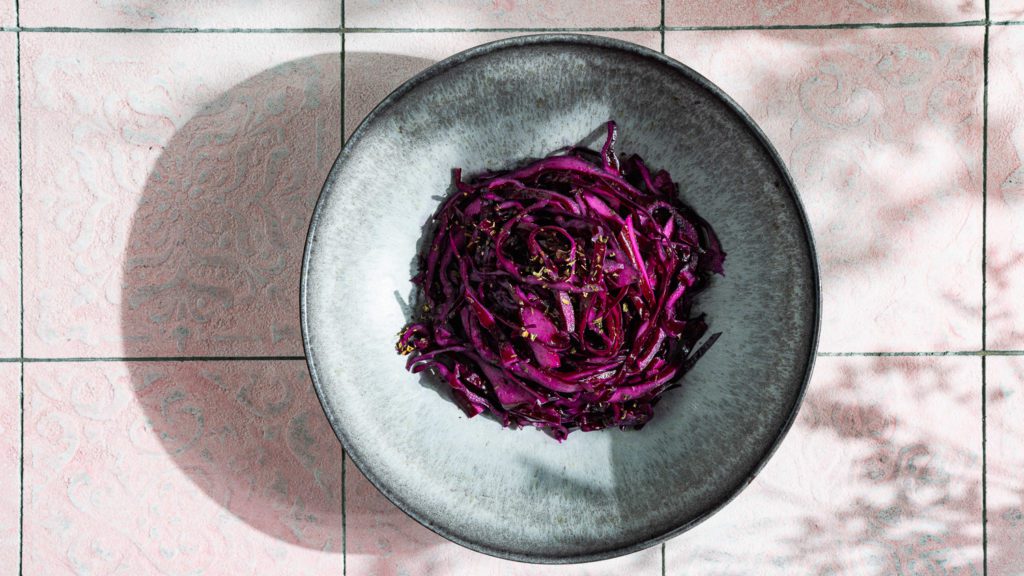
179, 468
10, 338
501, 13
797, 12
1005, 458
377, 63
206, 14
1004, 282
382, 541
881, 130
168, 184
1003, 10
8, 16
881, 474
10, 466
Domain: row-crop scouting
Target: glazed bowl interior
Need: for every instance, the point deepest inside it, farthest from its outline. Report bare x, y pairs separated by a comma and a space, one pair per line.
519, 494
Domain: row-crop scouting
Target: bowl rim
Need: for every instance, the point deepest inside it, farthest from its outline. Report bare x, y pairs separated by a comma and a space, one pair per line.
585, 40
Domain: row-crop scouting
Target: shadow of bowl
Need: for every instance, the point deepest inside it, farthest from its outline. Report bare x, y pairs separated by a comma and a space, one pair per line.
212, 270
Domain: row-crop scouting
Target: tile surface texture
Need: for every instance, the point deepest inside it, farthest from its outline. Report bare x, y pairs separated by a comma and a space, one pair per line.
799, 12
179, 468
881, 130
181, 14
10, 323
171, 153
7, 13
1005, 246
10, 435
1005, 461
1006, 10
501, 13
165, 212
881, 474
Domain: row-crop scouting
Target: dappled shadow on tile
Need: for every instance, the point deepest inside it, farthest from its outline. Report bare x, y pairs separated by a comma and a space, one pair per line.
212, 267
912, 498
880, 475
1005, 459
881, 130
790, 12
1005, 238
1003, 10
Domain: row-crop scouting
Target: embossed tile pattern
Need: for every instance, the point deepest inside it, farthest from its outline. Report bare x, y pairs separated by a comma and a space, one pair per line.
1005, 241
187, 14
7, 13
1005, 461
165, 213
168, 182
179, 468
881, 474
10, 475
1003, 10
881, 129
801, 12
501, 13
9, 274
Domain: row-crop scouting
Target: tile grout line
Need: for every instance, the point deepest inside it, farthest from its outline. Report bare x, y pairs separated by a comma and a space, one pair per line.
193, 30
317, 30
75, 30
984, 292
663, 573
341, 135
21, 300
662, 51
21, 475
984, 190
984, 469
838, 26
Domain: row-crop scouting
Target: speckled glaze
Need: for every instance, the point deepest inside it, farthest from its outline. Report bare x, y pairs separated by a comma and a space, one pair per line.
519, 494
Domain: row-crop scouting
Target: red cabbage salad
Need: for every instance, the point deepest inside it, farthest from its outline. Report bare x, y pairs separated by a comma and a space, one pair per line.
559, 295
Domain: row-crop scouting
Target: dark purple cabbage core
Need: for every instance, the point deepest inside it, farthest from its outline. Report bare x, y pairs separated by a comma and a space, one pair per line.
558, 295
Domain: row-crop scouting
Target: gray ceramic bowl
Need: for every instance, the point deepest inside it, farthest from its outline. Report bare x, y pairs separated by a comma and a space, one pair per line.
518, 494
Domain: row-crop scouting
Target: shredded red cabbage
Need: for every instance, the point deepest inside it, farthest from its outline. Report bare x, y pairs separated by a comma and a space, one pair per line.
558, 295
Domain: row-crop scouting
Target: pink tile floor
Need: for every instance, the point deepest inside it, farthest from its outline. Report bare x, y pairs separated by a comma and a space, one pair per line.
158, 164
